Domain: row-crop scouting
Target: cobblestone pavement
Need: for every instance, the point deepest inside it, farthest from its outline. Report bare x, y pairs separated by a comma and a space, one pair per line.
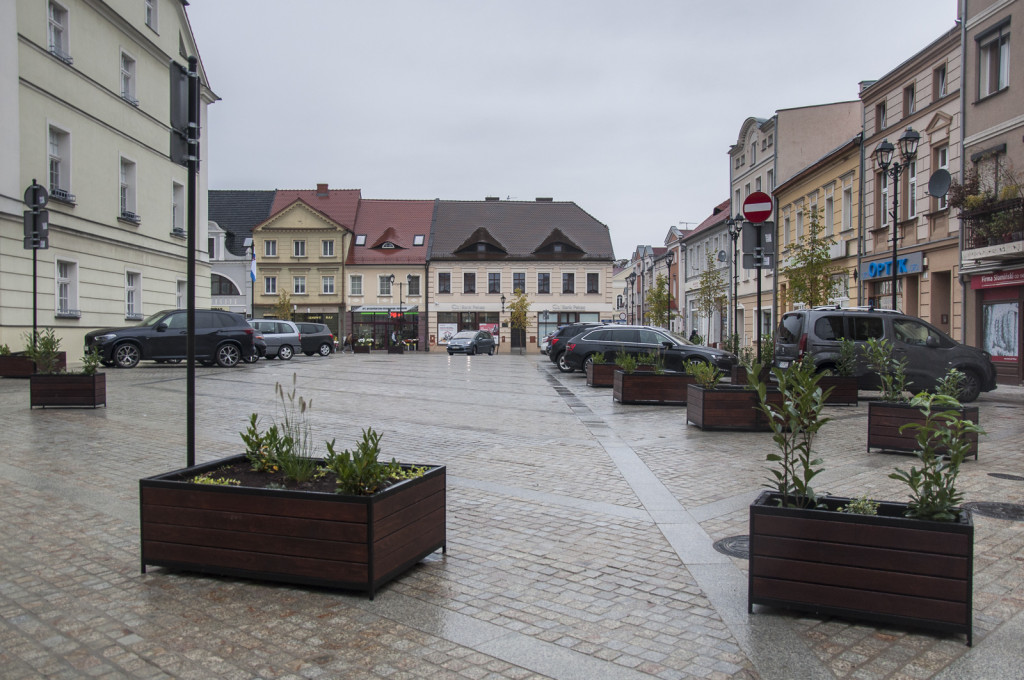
580, 537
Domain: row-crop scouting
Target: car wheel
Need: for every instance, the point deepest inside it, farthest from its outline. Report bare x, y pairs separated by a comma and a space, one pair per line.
325, 349
490, 352
127, 355
309, 354
285, 352
563, 366
228, 355
472, 350
971, 386
588, 363
253, 359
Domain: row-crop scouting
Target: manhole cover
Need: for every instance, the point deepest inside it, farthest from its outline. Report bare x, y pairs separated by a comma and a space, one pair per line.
734, 546
1008, 511
1003, 475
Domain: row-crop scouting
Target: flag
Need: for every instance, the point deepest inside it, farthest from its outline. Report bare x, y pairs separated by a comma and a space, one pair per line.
252, 267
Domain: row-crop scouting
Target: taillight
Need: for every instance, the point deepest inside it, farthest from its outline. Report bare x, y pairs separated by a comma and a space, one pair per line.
802, 346
570, 347
554, 341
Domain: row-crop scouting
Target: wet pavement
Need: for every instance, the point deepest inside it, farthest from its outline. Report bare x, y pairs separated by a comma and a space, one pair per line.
580, 536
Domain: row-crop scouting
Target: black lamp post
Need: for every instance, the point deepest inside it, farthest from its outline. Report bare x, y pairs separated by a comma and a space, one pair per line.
631, 279
735, 229
883, 156
668, 260
400, 312
643, 283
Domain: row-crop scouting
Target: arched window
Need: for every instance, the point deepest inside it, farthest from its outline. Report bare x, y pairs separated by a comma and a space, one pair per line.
222, 286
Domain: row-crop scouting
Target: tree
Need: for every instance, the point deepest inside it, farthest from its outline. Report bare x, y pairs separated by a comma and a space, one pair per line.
659, 299
518, 311
711, 293
810, 276
283, 307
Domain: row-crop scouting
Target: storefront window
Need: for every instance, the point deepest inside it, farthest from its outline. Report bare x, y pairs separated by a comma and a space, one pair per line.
1000, 322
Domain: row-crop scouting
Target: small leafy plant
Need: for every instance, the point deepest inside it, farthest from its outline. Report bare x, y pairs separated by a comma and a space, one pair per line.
846, 364
861, 506
951, 384
597, 357
360, 471
647, 359
90, 362
5, 351
208, 478
706, 375
891, 371
44, 350
627, 362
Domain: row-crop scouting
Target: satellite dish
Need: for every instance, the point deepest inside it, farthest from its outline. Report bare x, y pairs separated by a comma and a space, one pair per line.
938, 185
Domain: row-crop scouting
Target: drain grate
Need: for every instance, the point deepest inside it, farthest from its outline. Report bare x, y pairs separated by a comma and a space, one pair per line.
1003, 475
734, 546
1008, 511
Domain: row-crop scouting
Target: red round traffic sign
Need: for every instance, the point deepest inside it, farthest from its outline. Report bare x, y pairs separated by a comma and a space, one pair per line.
757, 207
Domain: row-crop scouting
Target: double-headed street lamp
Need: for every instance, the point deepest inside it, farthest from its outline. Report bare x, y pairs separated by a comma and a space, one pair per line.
631, 279
668, 260
735, 229
883, 156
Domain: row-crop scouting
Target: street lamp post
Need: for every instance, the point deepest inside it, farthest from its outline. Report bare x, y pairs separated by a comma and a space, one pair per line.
735, 229
401, 316
883, 156
643, 282
632, 296
668, 261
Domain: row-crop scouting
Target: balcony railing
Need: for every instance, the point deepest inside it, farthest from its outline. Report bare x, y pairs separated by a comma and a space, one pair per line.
993, 224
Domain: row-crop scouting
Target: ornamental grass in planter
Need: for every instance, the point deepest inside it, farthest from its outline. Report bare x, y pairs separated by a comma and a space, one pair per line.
897, 563
281, 513
52, 386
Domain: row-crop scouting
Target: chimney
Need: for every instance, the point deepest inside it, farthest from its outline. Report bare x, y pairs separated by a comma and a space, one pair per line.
544, 199
491, 198
322, 191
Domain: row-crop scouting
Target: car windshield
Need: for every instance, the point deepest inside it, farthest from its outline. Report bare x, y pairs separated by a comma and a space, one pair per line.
678, 339
152, 320
464, 335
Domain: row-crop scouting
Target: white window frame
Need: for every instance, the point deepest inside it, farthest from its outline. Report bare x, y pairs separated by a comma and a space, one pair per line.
847, 207
418, 240
327, 284
180, 291
128, 68
299, 247
941, 82
132, 294
912, 190
830, 217
299, 285
942, 163
127, 173
270, 247
270, 285
439, 275
65, 296
57, 35
994, 61
152, 14
327, 247
413, 278
384, 285
58, 147
883, 193
178, 207
355, 284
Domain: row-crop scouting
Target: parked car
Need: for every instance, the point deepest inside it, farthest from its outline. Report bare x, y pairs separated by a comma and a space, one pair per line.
674, 351
221, 337
556, 345
282, 337
471, 342
261, 349
545, 342
317, 338
929, 352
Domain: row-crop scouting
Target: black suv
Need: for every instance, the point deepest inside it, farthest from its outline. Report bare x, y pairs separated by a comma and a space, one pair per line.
222, 337
556, 345
316, 338
929, 352
674, 351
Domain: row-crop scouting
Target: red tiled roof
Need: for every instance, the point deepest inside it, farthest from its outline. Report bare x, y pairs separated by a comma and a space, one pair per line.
396, 222
340, 205
719, 215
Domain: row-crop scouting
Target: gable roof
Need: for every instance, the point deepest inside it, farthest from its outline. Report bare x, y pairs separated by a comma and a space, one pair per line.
340, 205
237, 212
719, 215
391, 221
521, 228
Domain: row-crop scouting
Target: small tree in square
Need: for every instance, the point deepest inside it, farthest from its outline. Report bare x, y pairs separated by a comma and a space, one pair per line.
711, 293
519, 310
810, 275
283, 307
659, 301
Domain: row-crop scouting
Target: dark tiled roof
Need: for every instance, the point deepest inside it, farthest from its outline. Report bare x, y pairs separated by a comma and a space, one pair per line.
521, 227
237, 212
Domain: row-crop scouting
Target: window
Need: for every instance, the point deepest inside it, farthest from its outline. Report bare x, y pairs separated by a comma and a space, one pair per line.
785, 231
327, 285
60, 165
327, 247
939, 82
593, 279
799, 224
757, 184
360, 239
270, 285
151, 13
469, 282
880, 116
771, 179
177, 207
994, 61
883, 198
746, 190
417, 240
299, 248
299, 285
211, 247
221, 285
270, 248
909, 99
67, 289
355, 284
444, 282
739, 199
847, 208
132, 295
384, 285
57, 32
911, 197
771, 139
414, 285
941, 162
568, 282
519, 282
543, 283
128, 79
180, 291
128, 190
753, 153
830, 216
493, 282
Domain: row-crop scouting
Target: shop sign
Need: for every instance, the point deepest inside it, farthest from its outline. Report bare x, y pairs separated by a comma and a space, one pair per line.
911, 263
1014, 277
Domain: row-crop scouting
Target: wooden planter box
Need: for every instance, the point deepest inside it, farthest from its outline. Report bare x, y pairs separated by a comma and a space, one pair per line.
885, 568
17, 365
728, 407
844, 389
600, 375
360, 349
885, 419
396, 349
68, 389
307, 537
651, 388
738, 374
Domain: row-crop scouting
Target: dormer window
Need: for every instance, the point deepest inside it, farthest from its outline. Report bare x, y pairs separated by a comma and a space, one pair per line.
417, 240
360, 239
387, 244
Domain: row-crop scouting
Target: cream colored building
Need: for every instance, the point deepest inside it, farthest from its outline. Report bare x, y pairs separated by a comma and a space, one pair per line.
85, 110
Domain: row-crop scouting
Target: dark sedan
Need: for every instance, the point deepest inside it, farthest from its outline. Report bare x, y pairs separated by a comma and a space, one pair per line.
673, 351
471, 342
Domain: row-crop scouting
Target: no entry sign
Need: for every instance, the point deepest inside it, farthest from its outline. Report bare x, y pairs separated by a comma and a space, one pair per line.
757, 207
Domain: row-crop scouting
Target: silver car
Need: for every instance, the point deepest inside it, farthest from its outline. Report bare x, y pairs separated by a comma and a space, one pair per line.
282, 337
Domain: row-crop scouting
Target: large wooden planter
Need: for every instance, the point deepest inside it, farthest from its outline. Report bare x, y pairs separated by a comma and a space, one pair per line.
17, 365
886, 418
844, 389
651, 388
313, 538
600, 375
68, 389
885, 568
738, 374
360, 349
396, 349
728, 407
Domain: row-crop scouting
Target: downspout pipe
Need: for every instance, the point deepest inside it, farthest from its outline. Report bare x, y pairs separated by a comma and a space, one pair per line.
963, 112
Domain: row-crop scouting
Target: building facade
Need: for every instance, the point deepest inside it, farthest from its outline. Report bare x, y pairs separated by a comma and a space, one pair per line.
711, 239
86, 112
233, 214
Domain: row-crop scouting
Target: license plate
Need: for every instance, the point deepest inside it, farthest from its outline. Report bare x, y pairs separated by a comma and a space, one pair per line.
783, 364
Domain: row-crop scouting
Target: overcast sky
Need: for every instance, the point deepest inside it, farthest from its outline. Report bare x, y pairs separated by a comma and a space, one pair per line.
627, 108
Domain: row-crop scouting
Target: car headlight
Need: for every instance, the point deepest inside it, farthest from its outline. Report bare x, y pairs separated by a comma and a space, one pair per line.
103, 339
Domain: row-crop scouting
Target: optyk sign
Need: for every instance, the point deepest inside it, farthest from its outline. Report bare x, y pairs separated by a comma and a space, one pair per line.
879, 269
